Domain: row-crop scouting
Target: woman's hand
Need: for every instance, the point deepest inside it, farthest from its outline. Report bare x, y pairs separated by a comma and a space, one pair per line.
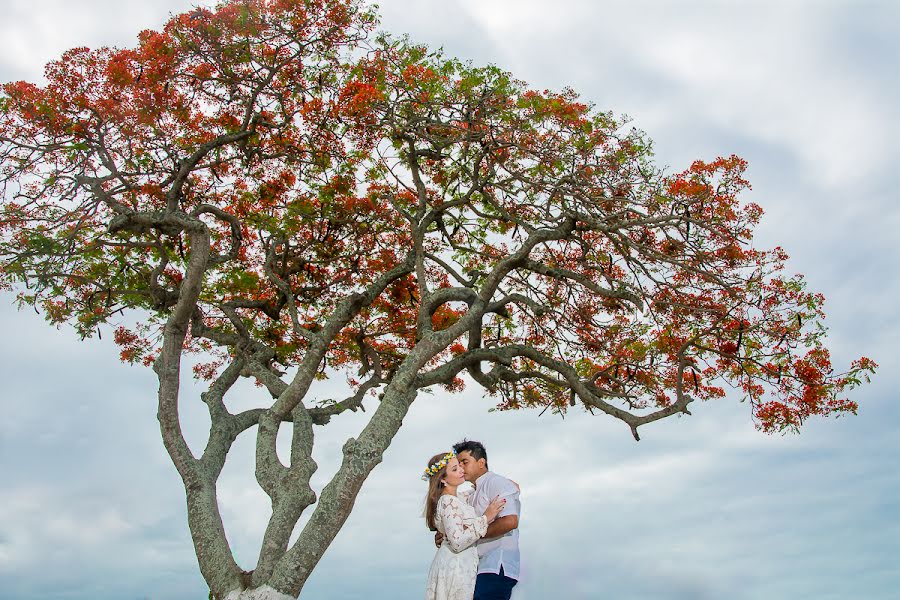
494, 508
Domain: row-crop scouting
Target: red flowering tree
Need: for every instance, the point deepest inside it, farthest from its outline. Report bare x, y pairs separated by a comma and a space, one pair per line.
276, 191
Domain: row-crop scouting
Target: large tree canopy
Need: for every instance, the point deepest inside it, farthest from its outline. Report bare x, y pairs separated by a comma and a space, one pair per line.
291, 197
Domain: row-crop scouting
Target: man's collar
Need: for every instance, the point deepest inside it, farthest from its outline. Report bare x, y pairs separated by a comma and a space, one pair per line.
483, 475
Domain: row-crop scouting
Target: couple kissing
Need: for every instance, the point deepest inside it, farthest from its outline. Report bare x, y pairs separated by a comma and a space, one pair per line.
477, 529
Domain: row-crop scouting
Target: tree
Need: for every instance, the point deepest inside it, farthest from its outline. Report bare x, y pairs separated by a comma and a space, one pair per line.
267, 186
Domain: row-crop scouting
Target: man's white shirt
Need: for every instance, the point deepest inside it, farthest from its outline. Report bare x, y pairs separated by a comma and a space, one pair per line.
503, 550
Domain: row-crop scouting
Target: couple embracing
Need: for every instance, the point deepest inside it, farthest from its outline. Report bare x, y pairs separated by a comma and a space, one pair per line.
477, 530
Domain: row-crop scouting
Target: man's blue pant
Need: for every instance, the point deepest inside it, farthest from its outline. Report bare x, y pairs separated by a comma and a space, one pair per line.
489, 586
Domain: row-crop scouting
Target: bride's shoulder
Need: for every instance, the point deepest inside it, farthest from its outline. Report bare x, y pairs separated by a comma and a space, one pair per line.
448, 499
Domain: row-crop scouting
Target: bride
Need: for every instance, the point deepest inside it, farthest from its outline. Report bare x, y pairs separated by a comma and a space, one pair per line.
455, 566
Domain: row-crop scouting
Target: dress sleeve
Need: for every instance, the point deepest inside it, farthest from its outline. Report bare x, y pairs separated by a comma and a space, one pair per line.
460, 529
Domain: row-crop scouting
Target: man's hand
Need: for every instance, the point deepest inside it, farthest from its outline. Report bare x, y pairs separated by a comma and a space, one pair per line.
438, 539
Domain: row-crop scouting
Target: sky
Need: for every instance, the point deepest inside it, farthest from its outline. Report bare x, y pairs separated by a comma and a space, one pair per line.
703, 507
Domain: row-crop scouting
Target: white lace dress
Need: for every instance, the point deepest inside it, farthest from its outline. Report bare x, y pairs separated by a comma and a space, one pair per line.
455, 566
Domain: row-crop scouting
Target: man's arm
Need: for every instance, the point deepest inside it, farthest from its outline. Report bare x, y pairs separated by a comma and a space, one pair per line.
502, 526
509, 516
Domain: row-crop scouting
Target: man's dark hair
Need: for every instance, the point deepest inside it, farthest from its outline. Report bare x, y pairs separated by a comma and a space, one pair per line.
476, 449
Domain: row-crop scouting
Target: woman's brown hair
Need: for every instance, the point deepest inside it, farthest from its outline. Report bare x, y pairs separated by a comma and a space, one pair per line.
435, 489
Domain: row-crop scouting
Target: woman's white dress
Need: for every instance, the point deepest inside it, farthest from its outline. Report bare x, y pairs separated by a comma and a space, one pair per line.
455, 566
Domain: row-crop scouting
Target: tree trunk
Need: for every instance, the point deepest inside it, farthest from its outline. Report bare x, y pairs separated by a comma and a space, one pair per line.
336, 501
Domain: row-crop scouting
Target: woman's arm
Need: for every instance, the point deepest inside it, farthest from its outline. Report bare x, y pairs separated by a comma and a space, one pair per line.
460, 531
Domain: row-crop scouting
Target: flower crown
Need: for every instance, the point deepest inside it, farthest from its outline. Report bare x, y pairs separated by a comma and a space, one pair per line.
433, 469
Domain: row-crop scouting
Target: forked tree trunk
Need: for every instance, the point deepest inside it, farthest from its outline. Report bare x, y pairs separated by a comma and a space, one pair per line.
293, 567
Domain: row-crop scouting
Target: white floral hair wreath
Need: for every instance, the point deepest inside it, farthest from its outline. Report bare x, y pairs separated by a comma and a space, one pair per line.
433, 469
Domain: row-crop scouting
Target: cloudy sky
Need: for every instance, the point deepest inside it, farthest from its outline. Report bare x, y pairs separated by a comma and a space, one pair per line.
704, 507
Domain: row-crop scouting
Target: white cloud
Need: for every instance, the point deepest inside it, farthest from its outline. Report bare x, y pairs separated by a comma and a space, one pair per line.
757, 71
35, 520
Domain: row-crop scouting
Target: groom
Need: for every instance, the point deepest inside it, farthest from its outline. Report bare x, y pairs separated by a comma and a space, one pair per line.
498, 550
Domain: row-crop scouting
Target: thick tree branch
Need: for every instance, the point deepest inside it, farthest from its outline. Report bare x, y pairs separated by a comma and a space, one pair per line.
186, 167
293, 495
585, 390
210, 543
